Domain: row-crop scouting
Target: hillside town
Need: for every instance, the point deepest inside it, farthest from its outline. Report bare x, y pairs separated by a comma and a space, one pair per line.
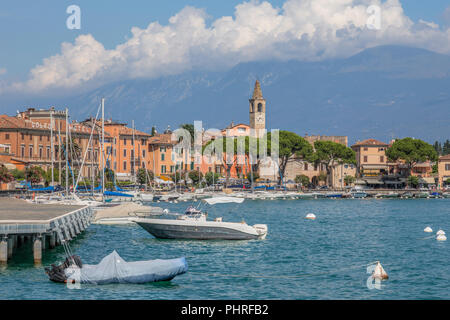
35, 143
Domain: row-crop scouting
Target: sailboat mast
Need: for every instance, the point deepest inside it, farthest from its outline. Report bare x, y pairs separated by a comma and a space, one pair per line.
67, 155
103, 146
52, 145
134, 157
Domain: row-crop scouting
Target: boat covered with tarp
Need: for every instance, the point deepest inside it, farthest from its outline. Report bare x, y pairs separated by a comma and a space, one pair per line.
114, 269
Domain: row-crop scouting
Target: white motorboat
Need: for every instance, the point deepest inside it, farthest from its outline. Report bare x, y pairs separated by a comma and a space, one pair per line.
194, 225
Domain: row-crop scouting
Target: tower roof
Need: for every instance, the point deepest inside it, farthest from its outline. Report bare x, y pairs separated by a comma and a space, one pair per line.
257, 93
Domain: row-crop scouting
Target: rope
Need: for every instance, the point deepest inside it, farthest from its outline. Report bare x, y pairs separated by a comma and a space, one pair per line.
282, 276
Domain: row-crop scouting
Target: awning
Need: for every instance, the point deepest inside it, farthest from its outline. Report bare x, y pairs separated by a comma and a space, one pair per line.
427, 180
374, 166
373, 181
359, 181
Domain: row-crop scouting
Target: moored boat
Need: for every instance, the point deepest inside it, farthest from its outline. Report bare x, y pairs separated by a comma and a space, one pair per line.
194, 225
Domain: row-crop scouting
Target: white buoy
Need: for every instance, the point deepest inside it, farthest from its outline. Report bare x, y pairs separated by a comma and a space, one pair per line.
441, 237
440, 232
311, 216
428, 229
379, 272
175, 201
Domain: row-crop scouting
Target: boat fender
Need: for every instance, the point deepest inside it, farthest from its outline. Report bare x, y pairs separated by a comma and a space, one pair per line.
379, 272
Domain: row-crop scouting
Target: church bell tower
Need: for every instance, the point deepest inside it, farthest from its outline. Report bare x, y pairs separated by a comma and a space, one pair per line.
258, 111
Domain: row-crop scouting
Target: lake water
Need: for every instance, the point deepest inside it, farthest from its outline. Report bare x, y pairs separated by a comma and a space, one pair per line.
300, 259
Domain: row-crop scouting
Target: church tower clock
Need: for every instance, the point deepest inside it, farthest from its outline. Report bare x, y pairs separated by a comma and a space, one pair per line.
258, 111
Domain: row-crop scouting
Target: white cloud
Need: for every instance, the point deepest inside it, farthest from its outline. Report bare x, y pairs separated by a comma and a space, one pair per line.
301, 29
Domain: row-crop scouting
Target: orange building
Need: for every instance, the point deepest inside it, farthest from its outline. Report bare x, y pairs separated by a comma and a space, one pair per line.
27, 137
444, 171
126, 150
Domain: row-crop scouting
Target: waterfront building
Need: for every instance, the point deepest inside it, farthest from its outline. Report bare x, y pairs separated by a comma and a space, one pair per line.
443, 171
296, 166
27, 140
127, 150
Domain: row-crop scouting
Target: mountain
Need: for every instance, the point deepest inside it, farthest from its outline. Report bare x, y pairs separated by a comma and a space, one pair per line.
382, 93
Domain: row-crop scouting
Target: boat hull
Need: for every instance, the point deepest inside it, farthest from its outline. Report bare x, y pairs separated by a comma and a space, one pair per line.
175, 229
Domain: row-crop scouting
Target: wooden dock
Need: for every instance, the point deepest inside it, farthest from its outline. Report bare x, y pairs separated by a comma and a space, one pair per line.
46, 225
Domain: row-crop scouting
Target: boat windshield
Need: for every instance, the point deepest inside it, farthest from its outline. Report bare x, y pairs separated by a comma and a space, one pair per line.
191, 211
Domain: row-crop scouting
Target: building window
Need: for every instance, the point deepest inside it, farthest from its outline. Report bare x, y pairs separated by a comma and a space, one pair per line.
163, 169
260, 107
162, 156
172, 168
306, 166
48, 152
48, 138
124, 142
381, 158
143, 153
365, 158
22, 151
23, 136
31, 137
115, 165
124, 152
447, 167
40, 137
380, 149
40, 152
366, 149
124, 165
31, 151
162, 149
7, 136
132, 154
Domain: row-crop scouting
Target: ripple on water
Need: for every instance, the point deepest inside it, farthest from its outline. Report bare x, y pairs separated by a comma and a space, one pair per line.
299, 259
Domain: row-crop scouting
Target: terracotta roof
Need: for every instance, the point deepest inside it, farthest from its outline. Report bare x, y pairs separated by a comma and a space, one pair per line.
8, 122
446, 157
370, 142
163, 138
129, 132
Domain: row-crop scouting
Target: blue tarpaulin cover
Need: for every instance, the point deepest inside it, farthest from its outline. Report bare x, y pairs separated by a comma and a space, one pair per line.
113, 269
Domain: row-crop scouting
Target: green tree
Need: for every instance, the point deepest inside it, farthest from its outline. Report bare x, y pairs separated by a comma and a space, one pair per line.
303, 179
34, 174
446, 147
349, 180
211, 178
447, 182
190, 128
413, 181
411, 151
141, 176
18, 174
290, 144
5, 176
332, 154
195, 176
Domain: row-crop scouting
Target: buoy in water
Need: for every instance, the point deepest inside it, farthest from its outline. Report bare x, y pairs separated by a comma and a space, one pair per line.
441, 237
428, 229
175, 201
379, 272
440, 232
310, 216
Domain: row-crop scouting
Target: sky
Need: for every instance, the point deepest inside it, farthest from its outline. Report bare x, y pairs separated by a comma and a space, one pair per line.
149, 38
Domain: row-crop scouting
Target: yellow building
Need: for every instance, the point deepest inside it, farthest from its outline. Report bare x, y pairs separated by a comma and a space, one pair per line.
444, 170
371, 160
